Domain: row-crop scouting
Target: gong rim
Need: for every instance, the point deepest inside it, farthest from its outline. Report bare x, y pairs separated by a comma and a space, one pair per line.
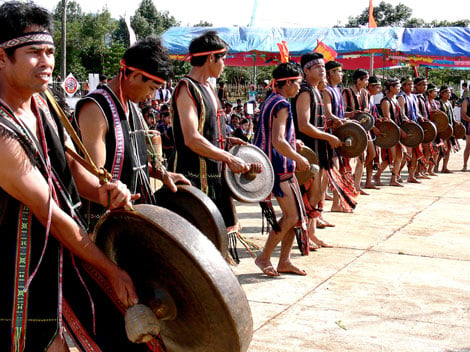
430, 131
158, 245
243, 189
415, 134
196, 207
365, 119
312, 157
440, 119
358, 135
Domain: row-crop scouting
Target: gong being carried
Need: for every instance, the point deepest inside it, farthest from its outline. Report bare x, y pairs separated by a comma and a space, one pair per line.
430, 131
389, 134
181, 276
459, 130
354, 139
312, 157
255, 185
365, 119
196, 207
440, 119
447, 133
414, 134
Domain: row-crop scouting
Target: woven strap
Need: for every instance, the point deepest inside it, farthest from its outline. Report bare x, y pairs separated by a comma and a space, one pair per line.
87, 162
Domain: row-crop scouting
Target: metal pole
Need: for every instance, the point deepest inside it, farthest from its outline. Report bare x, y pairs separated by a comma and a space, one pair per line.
63, 65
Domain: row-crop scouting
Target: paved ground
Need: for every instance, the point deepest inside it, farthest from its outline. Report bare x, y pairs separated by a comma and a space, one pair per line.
397, 279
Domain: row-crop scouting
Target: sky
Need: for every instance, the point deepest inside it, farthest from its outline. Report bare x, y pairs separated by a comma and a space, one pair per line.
270, 13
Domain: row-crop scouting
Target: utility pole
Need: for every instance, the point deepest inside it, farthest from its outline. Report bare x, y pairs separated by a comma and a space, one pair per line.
63, 65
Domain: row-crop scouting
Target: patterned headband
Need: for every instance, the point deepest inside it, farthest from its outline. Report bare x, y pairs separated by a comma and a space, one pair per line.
205, 53
314, 62
28, 39
146, 74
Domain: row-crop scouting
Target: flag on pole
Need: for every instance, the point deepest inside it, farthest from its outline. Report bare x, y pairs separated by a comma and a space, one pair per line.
283, 51
372, 23
328, 53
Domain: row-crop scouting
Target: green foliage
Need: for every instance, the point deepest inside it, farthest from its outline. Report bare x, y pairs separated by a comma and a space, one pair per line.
148, 20
203, 24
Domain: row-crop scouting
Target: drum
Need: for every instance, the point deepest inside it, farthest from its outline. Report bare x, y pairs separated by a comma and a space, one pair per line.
430, 131
414, 134
154, 145
389, 134
181, 276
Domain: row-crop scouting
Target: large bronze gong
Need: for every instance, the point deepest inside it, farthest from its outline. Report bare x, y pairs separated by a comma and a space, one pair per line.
414, 134
365, 119
440, 119
389, 134
304, 176
459, 130
430, 131
447, 133
196, 207
354, 139
179, 274
255, 185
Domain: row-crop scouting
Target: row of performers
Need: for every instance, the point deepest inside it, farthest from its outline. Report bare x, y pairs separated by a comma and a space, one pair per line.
305, 108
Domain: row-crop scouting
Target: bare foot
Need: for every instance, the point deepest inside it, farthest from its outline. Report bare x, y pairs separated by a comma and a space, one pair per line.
399, 179
338, 209
431, 173
266, 267
412, 180
377, 180
321, 224
395, 184
446, 171
362, 192
312, 246
464, 168
289, 268
328, 197
370, 185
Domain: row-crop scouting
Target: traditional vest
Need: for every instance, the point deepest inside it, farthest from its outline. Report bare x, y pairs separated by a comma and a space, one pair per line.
411, 105
126, 150
269, 109
395, 114
201, 171
29, 319
337, 105
354, 103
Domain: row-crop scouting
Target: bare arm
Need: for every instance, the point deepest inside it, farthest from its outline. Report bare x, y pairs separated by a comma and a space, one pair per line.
195, 141
385, 105
303, 120
25, 183
280, 142
463, 111
401, 103
332, 119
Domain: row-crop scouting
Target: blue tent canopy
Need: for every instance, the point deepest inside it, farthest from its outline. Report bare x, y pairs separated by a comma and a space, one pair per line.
449, 43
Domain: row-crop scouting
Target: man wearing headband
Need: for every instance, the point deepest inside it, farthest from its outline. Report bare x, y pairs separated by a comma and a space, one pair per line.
311, 125
391, 112
113, 129
334, 112
408, 103
276, 137
40, 228
374, 87
432, 104
199, 128
356, 98
447, 108
420, 87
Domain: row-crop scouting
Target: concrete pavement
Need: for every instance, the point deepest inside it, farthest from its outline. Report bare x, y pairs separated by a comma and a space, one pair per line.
397, 279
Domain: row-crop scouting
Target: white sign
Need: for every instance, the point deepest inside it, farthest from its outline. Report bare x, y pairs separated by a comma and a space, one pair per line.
71, 85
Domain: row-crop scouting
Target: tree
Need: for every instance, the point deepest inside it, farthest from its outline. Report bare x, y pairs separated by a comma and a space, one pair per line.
385, 15
148, 20
203, 24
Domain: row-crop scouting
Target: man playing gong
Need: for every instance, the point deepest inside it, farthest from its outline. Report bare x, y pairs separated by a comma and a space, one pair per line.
199, 126
276, 137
